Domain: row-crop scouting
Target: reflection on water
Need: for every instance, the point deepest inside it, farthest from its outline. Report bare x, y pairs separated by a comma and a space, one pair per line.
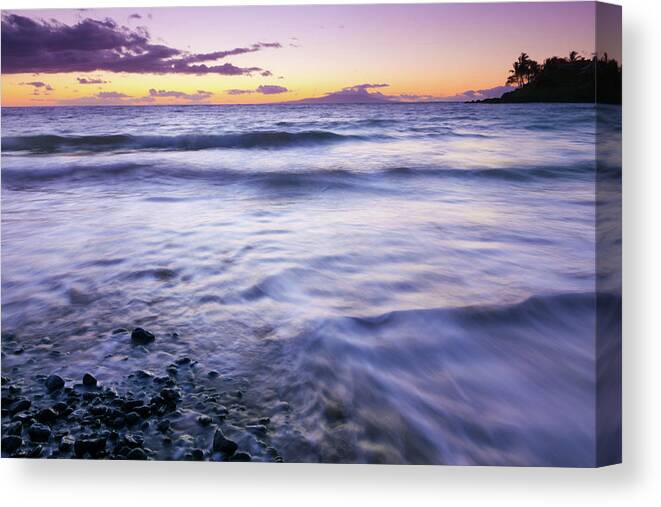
414, 280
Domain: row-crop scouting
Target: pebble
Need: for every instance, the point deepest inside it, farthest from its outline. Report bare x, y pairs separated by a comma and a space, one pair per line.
223, 444
204, 420
46, 415
11, 443
89, 380
20, 405
137, 454
39, 433
241, 456
66, 444
140, 336
54, 382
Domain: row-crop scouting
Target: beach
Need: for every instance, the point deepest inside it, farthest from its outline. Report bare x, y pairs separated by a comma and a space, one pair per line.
382, 283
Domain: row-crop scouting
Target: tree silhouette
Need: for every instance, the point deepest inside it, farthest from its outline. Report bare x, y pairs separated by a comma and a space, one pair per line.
523, 71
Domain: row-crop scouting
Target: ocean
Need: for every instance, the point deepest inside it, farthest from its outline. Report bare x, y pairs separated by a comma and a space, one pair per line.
387, 283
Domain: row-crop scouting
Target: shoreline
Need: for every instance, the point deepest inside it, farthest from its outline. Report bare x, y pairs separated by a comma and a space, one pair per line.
185, 412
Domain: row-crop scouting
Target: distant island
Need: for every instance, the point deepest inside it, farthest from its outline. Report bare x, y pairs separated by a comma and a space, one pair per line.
572, 79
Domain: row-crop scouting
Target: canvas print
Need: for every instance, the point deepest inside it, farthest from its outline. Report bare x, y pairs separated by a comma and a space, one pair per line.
382, 234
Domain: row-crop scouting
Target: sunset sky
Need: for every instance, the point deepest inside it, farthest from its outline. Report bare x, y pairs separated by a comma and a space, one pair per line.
230, 55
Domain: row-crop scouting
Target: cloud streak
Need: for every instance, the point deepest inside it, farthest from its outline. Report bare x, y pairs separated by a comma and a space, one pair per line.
90, 45
263, 89
86, 81
200, 95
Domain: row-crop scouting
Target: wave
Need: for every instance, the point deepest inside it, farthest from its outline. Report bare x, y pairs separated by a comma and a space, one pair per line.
26, 174
509, 385
268, 139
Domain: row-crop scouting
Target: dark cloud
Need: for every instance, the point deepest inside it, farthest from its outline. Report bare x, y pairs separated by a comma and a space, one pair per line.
90, 80
263, 89
102, 45
266, 73
39, 84
200, 95
135, 16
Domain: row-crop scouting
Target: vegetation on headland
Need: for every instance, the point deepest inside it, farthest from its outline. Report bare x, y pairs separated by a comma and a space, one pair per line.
569, 79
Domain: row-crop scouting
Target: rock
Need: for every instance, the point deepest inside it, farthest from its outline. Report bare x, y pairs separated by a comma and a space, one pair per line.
197, 454
137, 454
66, 444
92, 446
183, 360
35, 452
241, 456
46, 415
60, 407
163, 425
133, 441
204, 420
19, 406
11, 443
117, 423
89, 380
222, 444
170, 394
14, 428
39, 433
141, 337
213, 374
257, 429
132, 418
54, 382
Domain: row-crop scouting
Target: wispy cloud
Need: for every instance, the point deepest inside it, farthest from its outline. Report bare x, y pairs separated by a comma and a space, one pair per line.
263, 89
86, 80
39, 84
200, 95
39, 46
112, 95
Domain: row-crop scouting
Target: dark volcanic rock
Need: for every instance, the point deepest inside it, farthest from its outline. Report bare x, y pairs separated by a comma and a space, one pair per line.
46, 415
204, 420
92, 446
223, 444
89, 380
66, 444
132, 418
14, 428
10, 443
163, 425
140, 336
54, 382
137, 454
39, 433
19, 405
241, 456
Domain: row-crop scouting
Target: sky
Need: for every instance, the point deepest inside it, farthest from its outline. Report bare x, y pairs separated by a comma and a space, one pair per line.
260, 54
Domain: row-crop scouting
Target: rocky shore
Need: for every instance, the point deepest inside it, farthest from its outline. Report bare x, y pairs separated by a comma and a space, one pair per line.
185, 412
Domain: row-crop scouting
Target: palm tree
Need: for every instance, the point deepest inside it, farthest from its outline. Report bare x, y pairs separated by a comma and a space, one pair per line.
573, 56
523, 71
